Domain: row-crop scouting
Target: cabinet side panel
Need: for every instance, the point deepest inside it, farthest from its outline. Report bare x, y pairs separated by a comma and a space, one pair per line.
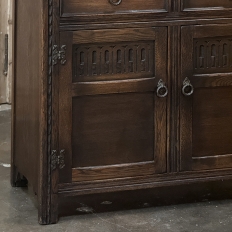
27, 104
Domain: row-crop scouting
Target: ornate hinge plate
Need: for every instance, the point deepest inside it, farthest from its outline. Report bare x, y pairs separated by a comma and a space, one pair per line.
59, 54
57, 160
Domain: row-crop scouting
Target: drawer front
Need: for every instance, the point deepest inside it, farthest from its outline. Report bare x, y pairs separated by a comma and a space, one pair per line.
195, 5
79, 7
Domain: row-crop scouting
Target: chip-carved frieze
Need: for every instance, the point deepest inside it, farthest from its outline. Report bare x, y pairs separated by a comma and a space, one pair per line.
95, 62
212, 55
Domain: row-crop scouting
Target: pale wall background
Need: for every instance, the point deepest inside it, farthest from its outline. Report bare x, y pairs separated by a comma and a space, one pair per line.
6, 27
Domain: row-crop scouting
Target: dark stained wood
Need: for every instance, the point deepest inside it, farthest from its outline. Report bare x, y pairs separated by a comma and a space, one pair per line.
113, 171
212, 123
113, 87
43, 186
173, 69
29, 108
127, 200
205, 4
113, 35
65, 108
212, 80
212, 31
187, 18
53, 112
101, 106
114, 122
185, 139
27, 122
113, 61
206, 114
161, 104
218, 162
142, 183
112, 129
70, 7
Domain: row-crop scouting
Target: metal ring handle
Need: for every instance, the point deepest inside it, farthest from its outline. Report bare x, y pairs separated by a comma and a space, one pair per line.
162, 90
187, 84
115, 2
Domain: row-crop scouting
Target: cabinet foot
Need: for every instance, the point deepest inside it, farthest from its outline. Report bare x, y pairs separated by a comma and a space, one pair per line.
48, 210
18, 180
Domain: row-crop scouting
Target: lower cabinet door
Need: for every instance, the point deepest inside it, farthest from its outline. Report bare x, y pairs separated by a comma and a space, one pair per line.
206, 97
113, 103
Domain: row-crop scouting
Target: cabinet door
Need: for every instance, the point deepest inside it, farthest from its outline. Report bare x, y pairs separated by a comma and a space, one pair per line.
112, 124
206, 97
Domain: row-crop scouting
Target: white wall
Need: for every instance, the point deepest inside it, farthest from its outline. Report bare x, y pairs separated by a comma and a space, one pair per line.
6, 27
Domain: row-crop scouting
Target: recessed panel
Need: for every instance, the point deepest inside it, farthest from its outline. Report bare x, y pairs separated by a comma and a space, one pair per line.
108, 6
206, 4
113, 129
212, 122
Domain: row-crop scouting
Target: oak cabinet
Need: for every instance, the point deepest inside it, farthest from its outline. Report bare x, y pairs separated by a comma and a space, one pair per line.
120, 96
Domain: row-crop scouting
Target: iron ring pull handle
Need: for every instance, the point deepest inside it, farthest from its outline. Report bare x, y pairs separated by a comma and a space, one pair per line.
115, 2
187, 89
162, 90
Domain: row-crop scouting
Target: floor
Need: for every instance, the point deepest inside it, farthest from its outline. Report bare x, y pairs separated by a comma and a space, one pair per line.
18, 212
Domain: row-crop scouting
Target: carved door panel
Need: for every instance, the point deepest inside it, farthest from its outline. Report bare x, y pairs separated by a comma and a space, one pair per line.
206, 97
112, 124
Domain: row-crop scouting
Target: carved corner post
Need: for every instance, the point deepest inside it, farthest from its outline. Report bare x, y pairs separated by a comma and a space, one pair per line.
48, 181
43, 178
53, 94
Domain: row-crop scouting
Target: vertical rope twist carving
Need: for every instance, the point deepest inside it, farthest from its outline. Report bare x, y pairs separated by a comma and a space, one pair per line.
49, 97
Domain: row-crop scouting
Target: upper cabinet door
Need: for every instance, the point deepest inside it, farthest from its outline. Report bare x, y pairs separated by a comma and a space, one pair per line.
112, 103
206, 97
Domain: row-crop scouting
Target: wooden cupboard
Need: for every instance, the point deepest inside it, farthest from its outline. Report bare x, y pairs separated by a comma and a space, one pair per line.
115, 96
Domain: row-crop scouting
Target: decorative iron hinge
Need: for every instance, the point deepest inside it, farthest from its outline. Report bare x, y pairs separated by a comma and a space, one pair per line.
57, 160
59, 55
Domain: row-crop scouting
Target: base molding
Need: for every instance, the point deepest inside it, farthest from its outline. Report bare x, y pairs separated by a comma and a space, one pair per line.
185, 192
